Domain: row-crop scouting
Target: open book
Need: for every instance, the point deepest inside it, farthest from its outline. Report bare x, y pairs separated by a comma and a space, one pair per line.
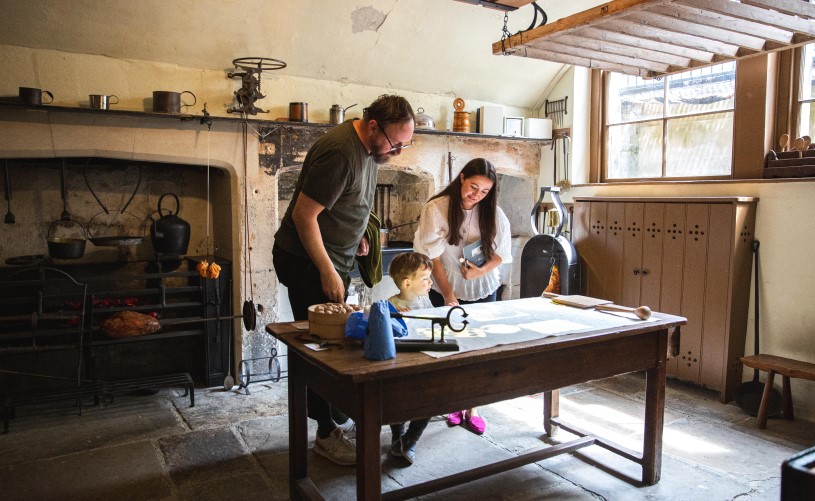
473, 253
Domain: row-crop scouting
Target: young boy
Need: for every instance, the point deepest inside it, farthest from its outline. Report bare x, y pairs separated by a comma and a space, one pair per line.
410, 272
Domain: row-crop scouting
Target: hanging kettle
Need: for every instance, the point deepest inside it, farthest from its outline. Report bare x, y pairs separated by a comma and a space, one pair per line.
170, 234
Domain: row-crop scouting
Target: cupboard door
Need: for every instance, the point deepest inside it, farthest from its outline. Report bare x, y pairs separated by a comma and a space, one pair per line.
632, 254
651, 271
714, 324
613, 259
693, 288
591, 244
673, 261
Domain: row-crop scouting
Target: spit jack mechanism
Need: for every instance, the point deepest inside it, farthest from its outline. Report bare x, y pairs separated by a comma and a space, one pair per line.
456, 320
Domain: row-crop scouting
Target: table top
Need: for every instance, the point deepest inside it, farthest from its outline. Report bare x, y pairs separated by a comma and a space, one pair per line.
537, 325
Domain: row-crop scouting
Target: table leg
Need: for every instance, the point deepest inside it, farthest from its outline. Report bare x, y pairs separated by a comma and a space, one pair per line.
764, 407
787, 394
551, 405
298, 425
369, 425
654, 415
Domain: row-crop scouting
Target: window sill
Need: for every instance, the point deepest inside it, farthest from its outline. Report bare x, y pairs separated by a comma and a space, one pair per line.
653, 182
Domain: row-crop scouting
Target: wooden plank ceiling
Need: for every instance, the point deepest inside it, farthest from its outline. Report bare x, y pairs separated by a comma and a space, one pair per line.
655, 38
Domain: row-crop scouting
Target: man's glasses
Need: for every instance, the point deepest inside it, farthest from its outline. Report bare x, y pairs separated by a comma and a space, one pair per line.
394, 148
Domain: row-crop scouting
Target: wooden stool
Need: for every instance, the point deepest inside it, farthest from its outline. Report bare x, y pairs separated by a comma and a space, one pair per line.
787, 368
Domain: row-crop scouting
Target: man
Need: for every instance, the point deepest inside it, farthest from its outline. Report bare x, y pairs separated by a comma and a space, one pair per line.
324, 227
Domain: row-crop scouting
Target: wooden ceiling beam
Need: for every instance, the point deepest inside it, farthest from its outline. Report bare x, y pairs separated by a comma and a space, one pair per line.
603, 56
672, 37
637, 43
585, 62
683, 27
622, 50
754, 14
717, 20
791, 7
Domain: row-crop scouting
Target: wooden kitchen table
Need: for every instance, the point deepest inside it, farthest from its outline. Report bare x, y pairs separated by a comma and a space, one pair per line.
415, 385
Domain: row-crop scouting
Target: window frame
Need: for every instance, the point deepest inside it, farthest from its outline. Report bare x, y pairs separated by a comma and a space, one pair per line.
604, 136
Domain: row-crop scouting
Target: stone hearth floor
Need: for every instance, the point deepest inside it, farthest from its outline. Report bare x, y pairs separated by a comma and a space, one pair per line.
234, 446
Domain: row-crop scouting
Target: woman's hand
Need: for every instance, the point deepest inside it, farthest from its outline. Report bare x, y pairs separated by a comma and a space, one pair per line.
470, 271
450, 300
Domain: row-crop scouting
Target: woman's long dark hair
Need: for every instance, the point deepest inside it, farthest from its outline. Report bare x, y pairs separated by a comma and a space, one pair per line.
488, 206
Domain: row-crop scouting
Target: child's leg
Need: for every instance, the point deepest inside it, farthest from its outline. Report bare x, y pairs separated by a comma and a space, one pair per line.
397, 430
416, 428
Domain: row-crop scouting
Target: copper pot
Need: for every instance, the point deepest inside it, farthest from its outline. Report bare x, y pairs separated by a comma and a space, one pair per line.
298, 112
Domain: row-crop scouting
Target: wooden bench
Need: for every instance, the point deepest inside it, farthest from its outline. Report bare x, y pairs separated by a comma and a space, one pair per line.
788, 368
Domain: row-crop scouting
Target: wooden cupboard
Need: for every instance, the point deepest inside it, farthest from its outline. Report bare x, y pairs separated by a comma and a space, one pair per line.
685, 256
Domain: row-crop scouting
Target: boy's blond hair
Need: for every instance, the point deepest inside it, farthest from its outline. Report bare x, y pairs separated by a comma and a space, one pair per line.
404, 265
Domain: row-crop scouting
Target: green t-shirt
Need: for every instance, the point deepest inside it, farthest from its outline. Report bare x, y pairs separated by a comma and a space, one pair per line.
340, 175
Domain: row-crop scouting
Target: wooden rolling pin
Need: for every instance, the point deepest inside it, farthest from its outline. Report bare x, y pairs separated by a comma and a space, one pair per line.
642, 312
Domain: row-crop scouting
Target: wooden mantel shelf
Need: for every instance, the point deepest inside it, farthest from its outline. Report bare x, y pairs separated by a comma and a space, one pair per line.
655, 38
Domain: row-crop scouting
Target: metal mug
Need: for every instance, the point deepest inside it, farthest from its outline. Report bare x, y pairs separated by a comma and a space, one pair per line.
101, 101
170, 102
32, 95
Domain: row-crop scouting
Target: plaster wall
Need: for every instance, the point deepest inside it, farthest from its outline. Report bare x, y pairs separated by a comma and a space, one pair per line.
72, 77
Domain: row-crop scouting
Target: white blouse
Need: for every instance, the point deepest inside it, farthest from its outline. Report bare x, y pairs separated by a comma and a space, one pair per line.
431, 239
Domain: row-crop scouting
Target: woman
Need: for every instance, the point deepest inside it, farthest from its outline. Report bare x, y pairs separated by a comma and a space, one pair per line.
463, 213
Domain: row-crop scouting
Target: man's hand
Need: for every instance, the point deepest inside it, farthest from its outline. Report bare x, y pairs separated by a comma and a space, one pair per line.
364, 246
333, 287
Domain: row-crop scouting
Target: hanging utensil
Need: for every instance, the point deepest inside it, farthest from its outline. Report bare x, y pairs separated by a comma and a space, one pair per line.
388, 223
249, 310
749, 394
65, 216
9, 219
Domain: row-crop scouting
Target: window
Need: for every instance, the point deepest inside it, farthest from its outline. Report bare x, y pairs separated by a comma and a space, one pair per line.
691, 136
806, 94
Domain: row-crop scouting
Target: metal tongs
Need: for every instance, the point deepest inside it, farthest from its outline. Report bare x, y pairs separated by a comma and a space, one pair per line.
433, 345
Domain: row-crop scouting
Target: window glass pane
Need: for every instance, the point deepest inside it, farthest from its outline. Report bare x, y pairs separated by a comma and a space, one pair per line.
631, 98
702, 90
806, 119
699, 146
635, 150
807, 64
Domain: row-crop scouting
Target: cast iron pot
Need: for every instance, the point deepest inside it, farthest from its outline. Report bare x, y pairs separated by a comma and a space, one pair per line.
170, 234
64, 248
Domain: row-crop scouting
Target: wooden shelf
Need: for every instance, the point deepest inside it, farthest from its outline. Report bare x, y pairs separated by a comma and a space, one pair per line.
259, 123
655, 38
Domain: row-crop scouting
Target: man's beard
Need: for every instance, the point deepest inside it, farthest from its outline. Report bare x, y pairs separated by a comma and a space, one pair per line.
382, 159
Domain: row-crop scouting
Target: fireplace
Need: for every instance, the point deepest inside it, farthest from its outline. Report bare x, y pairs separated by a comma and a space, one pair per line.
53, 321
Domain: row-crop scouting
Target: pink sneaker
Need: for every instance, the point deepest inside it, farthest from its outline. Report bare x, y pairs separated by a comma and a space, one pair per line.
455, 418
476, 424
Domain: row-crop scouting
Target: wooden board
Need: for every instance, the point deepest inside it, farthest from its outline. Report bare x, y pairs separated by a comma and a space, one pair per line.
576, 300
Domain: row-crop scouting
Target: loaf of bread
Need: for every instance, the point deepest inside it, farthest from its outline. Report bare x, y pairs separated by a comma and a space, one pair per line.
129, 324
